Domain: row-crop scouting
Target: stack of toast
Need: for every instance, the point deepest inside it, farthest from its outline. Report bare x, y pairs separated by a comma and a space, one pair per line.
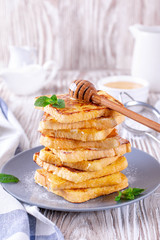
83, 154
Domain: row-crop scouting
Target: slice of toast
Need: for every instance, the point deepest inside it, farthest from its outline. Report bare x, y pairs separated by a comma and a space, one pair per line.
83, 134
69, 144
85, 194
76, 111
80, 154
54, 182
48, 156
76, 176
114, 119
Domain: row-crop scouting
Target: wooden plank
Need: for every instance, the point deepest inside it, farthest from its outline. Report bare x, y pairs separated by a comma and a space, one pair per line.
76, 34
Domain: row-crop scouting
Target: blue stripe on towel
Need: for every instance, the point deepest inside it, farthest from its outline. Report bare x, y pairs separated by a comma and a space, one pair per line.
49, 237
16, 220
57, 235
32, 225
4, 108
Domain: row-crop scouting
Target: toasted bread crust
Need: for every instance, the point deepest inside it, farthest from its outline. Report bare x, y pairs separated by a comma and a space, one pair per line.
114, 119
69, 144
82, 194
79, 155
82, 158
76, 111
48, 156
54, 182
76, 176
83, 134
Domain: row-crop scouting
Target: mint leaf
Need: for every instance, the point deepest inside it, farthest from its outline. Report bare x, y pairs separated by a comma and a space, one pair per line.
137, 191
129, 194
117, 198
61, 103
127, 191
54, 98
42, 101
7, 178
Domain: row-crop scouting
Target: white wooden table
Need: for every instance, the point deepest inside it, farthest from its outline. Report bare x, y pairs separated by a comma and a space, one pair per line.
140, 220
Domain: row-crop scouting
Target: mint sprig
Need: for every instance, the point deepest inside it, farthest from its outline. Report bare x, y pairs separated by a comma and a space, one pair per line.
53, 100
129, 194
7, 178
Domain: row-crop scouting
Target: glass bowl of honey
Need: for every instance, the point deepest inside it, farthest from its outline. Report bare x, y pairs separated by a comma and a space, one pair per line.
137, 88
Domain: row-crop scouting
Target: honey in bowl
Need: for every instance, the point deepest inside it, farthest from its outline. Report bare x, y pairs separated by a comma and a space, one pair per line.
124, 85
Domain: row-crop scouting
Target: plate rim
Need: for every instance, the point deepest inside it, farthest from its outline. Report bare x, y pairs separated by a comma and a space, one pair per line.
121, 204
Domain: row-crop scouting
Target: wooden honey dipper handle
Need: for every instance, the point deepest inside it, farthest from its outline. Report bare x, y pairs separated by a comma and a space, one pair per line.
85, 91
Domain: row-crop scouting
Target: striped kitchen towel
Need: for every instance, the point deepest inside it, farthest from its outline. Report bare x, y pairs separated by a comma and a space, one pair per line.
24, 222
19, 221
12, 137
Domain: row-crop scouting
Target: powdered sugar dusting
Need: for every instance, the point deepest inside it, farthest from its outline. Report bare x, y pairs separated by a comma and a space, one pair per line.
38, 194
131, 173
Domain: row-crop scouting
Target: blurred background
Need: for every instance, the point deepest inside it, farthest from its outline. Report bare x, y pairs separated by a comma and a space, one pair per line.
83, 35
46, 44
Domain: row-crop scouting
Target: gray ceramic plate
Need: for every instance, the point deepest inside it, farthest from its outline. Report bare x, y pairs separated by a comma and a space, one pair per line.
143, 171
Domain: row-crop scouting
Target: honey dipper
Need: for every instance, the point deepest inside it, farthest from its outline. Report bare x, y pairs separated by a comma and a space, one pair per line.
85, 91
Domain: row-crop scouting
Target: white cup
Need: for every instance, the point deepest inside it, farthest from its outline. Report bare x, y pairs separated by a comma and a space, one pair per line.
139, 94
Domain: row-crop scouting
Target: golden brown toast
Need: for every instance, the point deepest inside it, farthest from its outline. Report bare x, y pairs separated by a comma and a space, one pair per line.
83, 134
80, 154
76, 111
76, 176
48, 156
85, 194
54, 182
114, 119
69, 144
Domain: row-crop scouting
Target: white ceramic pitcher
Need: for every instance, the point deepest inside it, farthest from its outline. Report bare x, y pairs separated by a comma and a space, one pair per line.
146, 54
23, 75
